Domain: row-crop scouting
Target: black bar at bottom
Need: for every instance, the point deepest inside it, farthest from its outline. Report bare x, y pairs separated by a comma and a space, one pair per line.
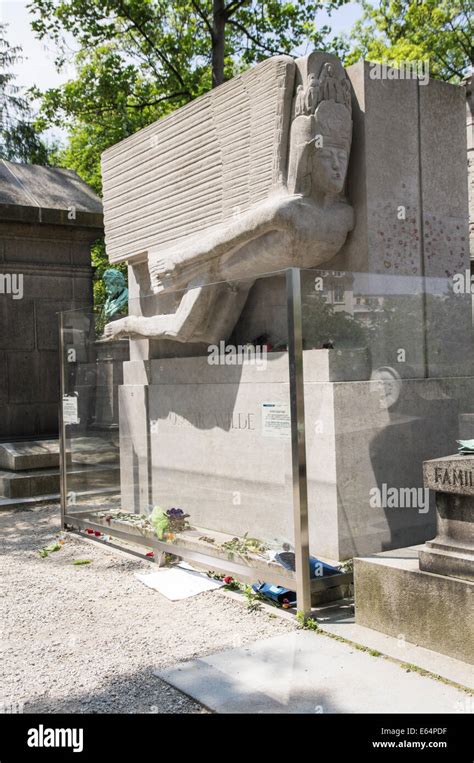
109, 737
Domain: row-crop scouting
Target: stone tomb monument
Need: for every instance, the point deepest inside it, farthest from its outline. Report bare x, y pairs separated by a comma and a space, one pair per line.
292, 164
426, 593
267, 193
48, 220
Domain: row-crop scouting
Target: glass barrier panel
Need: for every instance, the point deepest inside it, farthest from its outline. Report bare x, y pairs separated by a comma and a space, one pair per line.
388, 367
178, 428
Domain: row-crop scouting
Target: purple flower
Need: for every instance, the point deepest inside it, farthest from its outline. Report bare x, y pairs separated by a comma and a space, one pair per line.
176, 513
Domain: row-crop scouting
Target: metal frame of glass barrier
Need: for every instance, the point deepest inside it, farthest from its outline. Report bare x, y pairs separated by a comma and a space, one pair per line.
298, 440
62, 425
300, 579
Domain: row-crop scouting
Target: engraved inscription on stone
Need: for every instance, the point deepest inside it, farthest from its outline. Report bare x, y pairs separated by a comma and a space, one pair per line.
453, 474
454, 477
226, 420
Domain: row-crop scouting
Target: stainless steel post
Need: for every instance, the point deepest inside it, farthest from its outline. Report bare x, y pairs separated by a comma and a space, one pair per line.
298, 441
62, 426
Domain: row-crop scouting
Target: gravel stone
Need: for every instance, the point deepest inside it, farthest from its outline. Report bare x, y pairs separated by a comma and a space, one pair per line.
86, 639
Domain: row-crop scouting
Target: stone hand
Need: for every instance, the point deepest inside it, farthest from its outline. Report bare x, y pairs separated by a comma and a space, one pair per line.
164, 266
163, 272
116, 329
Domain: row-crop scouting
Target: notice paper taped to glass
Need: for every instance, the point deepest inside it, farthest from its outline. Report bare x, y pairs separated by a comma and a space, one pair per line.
70, 410
276, 420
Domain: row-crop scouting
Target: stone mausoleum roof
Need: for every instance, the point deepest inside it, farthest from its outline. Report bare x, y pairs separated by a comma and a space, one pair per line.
33, 194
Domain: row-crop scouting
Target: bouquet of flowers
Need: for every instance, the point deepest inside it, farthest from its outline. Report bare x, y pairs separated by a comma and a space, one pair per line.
177, 520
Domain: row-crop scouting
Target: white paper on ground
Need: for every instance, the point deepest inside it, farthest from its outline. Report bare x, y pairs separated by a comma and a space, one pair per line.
179, 582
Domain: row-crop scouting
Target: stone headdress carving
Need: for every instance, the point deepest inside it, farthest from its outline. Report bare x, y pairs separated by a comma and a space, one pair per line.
321, 115
332, 85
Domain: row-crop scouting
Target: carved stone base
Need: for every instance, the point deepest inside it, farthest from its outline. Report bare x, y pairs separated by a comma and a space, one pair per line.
451, 552
195, 436
444, 560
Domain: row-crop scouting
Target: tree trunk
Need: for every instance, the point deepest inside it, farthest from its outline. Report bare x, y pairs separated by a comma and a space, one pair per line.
218, 42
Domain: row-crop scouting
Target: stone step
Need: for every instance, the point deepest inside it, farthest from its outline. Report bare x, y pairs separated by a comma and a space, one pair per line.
44, 454
34, 454
45, 482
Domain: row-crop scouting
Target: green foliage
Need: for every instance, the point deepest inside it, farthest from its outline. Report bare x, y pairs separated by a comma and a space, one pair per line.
20, 143
243, 547
254, 599
308, 623
233, 585
441, 31
44, 552
347, 565
19, 140
160, 521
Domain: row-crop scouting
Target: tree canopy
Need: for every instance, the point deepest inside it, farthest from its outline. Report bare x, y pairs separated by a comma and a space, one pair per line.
441, 31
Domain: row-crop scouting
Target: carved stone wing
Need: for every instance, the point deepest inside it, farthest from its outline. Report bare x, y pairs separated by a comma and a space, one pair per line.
200, 166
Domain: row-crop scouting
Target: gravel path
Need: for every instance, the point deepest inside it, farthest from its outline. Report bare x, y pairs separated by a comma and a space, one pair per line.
87, 638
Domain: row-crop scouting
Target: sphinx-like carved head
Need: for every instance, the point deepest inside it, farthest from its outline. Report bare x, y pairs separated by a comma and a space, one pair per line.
321, 131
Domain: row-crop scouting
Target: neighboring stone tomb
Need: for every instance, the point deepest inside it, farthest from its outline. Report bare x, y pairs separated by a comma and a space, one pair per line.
48, 220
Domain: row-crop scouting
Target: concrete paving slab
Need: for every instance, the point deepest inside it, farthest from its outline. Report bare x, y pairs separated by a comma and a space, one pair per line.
305, 672
399, 649
338, 619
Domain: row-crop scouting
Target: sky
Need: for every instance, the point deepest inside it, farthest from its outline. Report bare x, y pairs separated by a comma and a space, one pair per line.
37, 67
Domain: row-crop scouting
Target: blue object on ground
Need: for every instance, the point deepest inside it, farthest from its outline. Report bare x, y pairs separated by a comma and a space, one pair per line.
317, 568
275, 592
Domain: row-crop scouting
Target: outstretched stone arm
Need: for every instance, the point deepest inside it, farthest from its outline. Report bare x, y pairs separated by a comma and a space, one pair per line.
177, 263
180, 325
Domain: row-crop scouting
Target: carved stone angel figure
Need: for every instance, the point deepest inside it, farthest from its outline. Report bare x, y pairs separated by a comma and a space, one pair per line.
303, 221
